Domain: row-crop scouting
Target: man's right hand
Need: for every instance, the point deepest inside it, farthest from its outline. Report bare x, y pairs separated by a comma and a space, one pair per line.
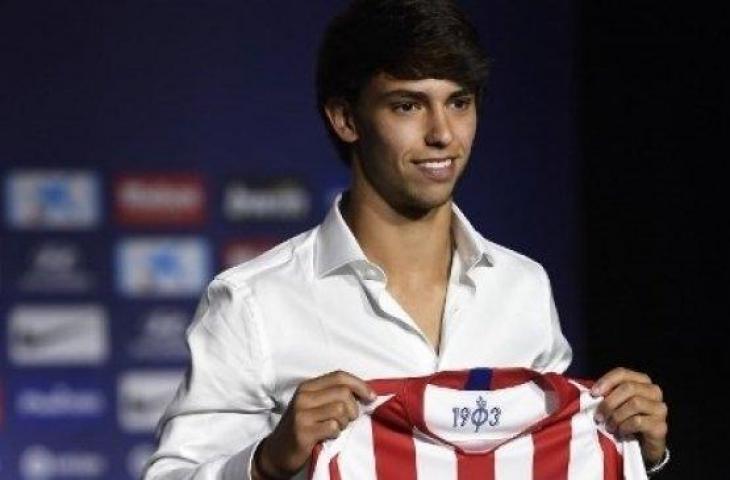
319, 410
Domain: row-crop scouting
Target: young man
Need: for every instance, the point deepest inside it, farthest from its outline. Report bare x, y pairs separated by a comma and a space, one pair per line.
394, 283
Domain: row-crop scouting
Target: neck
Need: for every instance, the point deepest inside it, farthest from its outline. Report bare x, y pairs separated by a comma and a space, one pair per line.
410, 249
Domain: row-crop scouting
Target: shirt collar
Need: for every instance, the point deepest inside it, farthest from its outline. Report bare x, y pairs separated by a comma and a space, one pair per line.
470, 245
336, 246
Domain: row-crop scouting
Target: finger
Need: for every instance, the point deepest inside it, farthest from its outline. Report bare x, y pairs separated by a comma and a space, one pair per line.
340, 393
636, 406
325, 430
615, 377
652, 428
356, 385
623, 393
338, 411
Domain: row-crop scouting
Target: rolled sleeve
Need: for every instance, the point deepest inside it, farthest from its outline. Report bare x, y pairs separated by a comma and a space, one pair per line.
222, 407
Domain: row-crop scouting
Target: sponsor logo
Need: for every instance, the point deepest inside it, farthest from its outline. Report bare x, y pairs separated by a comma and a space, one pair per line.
137, 458
160, 335
241, 251
160, 199
276, 200
58, 267
162, 267
58, 335
38, 462
48, 199
143, 397
60, 400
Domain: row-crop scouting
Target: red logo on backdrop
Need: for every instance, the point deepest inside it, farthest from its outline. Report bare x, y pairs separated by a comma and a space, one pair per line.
160, 199
239, 251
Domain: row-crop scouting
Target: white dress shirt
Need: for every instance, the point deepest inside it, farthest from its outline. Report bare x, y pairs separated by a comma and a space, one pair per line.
315, 304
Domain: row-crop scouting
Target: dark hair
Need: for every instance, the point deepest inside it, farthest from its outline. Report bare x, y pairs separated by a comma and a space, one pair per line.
407, 39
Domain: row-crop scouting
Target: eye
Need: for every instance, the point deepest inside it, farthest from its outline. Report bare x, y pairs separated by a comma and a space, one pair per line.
406, 107
461, 103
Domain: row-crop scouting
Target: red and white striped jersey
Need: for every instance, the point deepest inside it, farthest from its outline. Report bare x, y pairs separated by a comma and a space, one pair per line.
486, 424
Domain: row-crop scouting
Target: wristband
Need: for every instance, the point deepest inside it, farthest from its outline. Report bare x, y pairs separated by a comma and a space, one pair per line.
660, 464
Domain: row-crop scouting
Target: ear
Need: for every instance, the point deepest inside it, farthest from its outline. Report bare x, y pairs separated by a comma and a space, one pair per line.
341, 119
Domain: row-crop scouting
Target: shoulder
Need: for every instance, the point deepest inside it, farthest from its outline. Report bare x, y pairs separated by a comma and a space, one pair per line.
508, 260
289, 259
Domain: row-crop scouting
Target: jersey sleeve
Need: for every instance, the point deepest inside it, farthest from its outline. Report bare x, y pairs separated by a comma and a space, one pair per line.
222, 407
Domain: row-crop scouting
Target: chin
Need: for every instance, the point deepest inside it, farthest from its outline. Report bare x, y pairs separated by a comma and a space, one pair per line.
417, 206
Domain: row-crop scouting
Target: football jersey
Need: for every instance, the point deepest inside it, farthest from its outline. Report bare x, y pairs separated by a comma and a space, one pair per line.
490, 424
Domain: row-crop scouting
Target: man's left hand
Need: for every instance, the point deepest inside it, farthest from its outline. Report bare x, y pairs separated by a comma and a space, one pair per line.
633, 405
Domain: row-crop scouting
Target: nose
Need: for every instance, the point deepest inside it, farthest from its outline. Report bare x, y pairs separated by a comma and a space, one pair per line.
439, 133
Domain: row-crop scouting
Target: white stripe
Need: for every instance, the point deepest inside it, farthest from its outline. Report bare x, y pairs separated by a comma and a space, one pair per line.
513, 460
634, 468
433, 461
357, 457
586, 456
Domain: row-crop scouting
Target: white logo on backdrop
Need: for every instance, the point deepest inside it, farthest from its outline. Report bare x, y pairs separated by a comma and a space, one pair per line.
38, 462
143, 396
54, 199
56, 267
162, 335
162, 267
58, 335
60, 400
284, 200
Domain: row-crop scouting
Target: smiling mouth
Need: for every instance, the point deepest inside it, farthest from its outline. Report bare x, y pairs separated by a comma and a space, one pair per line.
435, 163
437, 169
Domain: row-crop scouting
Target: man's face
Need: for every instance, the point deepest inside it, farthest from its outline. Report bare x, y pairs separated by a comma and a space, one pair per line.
414, 140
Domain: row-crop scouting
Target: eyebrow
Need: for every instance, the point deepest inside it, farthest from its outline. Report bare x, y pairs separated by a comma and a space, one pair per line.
422, 96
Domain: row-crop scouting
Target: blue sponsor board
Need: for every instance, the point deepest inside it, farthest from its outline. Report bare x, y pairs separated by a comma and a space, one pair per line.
162, 267
60, 226
4, 462
58, 265
52, 199
152, 334
39, 402
57, 335
282, 199
76, 455
132, 456
142, 396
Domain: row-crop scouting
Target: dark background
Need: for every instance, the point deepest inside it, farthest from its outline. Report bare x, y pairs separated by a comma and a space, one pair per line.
651, 86
596, 155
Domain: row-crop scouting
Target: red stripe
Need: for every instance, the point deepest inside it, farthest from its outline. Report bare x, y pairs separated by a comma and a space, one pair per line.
613, 465
393, 445
552, 443
313, 460
387, 386
475, 467
510, 377
334, 469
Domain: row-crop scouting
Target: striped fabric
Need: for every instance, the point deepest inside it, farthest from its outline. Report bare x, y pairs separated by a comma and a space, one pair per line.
486, 424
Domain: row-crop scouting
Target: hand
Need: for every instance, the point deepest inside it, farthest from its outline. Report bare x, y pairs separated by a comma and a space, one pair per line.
634, 405
319, 410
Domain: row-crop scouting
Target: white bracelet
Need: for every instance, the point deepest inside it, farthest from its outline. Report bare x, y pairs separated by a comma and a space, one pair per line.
660, 465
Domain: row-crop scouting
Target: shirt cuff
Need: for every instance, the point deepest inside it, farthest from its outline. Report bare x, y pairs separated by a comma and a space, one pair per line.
659, 466
240, 465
